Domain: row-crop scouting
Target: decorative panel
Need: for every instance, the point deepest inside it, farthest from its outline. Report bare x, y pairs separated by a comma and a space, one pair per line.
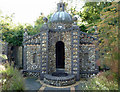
30, 51
87, 61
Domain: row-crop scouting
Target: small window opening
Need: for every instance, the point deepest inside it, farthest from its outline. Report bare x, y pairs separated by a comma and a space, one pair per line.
34, 58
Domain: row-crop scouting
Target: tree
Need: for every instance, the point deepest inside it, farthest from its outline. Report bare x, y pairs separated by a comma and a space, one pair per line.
108, 38
11, 33
39, 21
91, 11
14, 34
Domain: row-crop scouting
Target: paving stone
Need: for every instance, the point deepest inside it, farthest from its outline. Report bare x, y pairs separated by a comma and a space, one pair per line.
31, 83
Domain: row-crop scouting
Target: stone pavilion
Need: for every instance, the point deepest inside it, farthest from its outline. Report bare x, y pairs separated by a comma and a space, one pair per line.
60, 48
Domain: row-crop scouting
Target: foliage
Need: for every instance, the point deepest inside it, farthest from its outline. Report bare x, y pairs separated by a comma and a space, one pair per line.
13, 79
29, 28
108, 49
91, 11
38, 24
39, 21
100, 82
11, 33
83, 28
3, 56
73, 11
108, 33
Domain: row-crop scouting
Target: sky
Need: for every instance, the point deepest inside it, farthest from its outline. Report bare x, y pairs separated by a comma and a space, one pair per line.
27, 11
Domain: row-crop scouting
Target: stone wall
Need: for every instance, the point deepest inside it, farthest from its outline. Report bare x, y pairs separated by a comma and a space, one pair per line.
17, 56
54, 37
87, 58
32, 55
33, 52
63, 25
20, 56
3, 49
67, 41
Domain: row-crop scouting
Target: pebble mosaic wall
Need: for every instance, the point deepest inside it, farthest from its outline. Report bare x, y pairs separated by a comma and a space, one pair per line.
59, 81
54, 37
33, 51
87, 58
58, 25
40, 52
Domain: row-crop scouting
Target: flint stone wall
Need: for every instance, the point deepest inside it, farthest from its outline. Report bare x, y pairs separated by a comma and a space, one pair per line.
86, 53
54, 37
31, 48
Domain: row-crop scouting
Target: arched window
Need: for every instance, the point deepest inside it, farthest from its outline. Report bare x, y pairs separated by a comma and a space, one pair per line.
34, 58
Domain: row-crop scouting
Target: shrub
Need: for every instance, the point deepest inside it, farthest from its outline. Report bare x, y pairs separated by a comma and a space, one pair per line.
14, 80
83, 28
100, 82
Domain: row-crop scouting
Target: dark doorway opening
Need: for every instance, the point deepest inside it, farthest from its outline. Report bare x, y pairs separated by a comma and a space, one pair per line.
60, 55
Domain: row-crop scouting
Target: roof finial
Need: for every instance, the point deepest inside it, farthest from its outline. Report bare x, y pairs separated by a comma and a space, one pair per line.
61, 6
61, 1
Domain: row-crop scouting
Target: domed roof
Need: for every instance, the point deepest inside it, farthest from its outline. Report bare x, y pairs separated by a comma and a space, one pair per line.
61, 15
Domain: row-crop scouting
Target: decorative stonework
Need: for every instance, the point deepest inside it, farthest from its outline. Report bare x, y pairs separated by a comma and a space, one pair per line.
87, 55
31, 49
54, 38
40, 57
59, 81
59, 25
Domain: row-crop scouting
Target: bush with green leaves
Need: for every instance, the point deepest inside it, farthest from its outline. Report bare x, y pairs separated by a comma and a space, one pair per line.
83, 28
13, 79
108, 49
108, 37
100, 82
13, 34
91, 11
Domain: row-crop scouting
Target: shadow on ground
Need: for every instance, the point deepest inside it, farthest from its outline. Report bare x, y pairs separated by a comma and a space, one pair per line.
31, 83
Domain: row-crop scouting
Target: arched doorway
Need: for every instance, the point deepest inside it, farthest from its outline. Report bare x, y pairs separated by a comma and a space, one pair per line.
60, 55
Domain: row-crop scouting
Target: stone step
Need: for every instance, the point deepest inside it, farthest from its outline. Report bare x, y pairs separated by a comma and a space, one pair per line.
60, 70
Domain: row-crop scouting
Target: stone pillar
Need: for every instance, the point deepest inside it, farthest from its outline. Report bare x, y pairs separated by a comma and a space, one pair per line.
75, 68
25, 57
44, 54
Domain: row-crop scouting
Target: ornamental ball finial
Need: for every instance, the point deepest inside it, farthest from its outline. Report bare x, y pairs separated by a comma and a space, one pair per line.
45, 19
74, 18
